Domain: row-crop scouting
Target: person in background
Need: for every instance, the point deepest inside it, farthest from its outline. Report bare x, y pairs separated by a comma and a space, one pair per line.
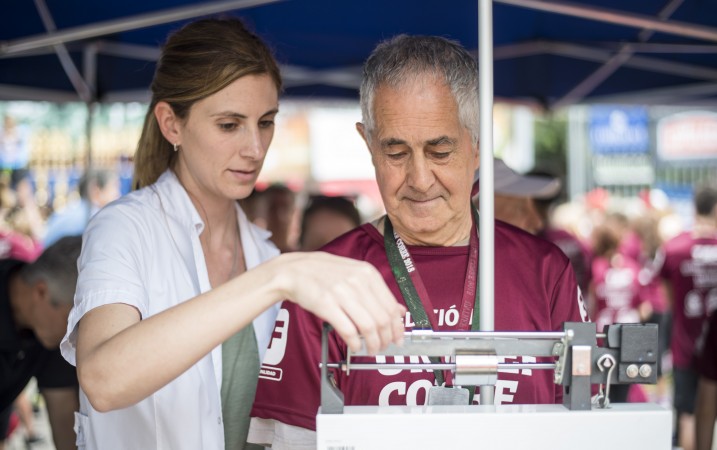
525, 201
419, 102
177, 291
687, 264
325, 218
515, 194
98, 187
706, 403
35, 302
24, 215
613, 294
280, 208
274, 210
654, 306
13, 243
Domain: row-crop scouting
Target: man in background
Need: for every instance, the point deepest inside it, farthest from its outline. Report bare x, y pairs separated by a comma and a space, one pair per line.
687, 264
325, 218
526, 201
97, 188
35, 301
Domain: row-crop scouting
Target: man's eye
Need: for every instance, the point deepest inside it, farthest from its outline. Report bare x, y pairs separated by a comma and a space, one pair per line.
441, 155
398, 155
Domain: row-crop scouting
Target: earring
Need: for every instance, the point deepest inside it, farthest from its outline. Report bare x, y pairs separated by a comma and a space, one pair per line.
176, 147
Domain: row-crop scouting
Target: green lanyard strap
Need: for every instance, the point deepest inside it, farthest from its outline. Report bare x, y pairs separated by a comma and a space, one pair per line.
414, 292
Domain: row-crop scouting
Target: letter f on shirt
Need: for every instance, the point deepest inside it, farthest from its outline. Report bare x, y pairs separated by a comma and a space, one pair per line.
277, 344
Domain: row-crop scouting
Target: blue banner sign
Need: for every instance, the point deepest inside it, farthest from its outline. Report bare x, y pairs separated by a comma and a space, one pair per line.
619, 130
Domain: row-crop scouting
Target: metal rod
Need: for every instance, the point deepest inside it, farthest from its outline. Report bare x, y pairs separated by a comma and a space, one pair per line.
487, 214
126, 24
625, 52
432, 366
413, 336
638, 62
619, 18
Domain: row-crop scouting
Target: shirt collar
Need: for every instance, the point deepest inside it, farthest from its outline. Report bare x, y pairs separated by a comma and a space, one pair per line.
178, 204
180, 207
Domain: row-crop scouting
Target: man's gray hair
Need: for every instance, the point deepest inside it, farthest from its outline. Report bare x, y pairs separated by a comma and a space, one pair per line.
57, 266
404, 58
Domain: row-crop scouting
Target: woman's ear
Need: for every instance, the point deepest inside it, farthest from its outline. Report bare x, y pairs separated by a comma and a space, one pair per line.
168, 122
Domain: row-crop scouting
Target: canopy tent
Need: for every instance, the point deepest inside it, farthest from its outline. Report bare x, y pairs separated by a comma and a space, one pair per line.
546, 53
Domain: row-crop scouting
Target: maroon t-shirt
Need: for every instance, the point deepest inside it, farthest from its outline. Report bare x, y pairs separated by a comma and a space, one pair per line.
575, 250
616, 290
535, 289
690, 266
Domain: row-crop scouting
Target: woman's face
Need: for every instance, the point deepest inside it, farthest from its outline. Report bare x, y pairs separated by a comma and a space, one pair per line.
225, 137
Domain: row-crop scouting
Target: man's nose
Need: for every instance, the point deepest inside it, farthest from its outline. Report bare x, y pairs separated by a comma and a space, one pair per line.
420, 174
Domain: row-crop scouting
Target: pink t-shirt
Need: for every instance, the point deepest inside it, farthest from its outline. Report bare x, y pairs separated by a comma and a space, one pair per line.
535, 289
14, 245
690, 267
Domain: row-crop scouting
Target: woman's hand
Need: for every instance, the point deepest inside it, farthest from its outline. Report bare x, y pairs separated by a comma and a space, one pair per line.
351, 295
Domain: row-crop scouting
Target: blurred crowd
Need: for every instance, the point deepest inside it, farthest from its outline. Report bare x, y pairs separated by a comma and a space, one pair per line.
617, 247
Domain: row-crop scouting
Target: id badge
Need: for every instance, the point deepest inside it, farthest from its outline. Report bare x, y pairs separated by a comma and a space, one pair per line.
440, 395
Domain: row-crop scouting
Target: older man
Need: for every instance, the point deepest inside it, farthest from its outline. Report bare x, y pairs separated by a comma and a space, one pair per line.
419, 98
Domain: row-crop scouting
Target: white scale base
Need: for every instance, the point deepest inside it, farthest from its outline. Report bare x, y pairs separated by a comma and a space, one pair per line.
629, 426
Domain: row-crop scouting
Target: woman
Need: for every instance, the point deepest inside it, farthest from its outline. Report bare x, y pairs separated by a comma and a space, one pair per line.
164, 271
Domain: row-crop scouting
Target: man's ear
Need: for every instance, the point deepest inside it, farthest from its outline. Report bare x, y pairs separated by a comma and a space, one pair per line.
168, 122
41, 292
361, 128
362, 131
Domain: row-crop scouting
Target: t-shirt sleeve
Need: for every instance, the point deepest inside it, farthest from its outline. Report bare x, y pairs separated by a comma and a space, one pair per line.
55, 372
110, 269
567, 302
289, 379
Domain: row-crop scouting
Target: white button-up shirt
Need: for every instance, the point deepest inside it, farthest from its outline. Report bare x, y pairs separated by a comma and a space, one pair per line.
143, 250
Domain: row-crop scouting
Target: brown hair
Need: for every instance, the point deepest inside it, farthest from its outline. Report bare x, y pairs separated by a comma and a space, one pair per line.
198, 60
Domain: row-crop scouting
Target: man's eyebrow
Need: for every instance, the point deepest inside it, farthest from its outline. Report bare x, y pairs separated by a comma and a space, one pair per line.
442, 140
392, 141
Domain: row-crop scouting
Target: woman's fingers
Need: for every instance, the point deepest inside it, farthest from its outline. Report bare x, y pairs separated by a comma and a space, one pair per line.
352, 296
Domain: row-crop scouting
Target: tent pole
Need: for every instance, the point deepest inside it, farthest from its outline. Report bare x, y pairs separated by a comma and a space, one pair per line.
619, 18
487, 224
64, 56
90, 72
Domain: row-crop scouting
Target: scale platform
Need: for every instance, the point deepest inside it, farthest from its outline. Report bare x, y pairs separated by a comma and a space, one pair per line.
627, 355
633, 426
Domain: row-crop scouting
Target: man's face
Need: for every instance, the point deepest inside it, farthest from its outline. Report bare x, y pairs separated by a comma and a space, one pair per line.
48, 320
520, 212
424, 160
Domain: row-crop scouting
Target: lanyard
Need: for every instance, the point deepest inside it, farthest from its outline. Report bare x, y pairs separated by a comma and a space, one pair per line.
414, 291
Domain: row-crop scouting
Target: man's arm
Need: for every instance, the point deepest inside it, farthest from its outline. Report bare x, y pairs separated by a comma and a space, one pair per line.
61, 406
